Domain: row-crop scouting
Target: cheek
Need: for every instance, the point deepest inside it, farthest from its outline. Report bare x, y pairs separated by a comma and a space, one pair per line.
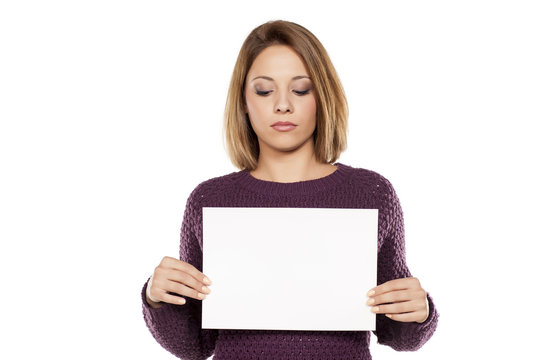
256, 113
253, 106
310, 107
314, 106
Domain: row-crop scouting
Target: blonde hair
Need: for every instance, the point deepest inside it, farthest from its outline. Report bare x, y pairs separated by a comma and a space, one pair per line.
330, 136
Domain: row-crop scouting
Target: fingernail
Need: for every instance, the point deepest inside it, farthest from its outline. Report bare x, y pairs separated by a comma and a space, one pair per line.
202, 296
207, 281
371, 292
370, 301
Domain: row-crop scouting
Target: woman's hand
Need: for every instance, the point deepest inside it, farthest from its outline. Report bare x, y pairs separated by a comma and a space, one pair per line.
179, 277
405, 300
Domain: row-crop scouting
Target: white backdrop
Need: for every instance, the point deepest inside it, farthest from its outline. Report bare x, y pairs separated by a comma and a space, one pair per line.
111, 113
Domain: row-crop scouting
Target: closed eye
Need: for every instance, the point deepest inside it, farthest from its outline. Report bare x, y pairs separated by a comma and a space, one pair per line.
264, 93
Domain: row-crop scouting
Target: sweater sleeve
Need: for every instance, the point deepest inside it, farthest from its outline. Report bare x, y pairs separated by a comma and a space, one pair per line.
391, 264
177, 328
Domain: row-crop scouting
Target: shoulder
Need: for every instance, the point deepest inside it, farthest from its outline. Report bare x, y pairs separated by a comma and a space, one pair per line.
212, 187
379, 188
371, 179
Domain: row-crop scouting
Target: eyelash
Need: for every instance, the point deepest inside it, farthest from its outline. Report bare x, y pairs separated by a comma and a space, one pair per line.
264, 93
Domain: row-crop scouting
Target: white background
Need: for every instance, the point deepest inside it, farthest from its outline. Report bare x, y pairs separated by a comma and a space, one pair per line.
111, 113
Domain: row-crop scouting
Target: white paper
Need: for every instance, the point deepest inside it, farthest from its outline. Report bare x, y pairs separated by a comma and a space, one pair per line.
289, 268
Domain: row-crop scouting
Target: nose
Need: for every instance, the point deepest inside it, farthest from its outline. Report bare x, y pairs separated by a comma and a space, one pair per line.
283, 104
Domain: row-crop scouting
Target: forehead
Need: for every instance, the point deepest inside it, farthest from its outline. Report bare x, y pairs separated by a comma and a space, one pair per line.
277, 62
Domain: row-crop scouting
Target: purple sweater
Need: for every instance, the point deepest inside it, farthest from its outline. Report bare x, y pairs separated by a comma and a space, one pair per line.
178, 327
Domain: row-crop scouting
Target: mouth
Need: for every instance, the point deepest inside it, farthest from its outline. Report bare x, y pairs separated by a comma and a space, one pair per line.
283, 123
283, 126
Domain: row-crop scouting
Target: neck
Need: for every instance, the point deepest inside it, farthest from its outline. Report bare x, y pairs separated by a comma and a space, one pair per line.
297, 165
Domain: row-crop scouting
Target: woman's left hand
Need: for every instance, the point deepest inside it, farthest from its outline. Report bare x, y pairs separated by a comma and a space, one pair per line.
404, 300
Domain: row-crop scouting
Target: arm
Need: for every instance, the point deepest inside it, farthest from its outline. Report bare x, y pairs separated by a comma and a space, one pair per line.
401, 336
178, 327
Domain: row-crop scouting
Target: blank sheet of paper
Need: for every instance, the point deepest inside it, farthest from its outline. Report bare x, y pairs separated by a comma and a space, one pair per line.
289, 268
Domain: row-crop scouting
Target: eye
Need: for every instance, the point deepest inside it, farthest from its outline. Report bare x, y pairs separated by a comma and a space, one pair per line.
302, 92
265, 93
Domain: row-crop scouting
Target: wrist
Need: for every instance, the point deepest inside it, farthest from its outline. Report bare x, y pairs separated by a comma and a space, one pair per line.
153, 302
427, 315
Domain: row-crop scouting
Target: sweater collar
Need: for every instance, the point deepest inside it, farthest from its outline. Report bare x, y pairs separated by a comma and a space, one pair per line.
299, 187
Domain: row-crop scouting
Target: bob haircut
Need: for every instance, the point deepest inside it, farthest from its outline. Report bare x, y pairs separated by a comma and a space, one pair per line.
330, 135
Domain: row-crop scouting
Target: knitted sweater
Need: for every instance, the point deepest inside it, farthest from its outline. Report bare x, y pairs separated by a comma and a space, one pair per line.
178, 327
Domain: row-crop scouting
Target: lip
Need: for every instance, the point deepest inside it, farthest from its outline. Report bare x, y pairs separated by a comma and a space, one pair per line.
283, 126
283, 123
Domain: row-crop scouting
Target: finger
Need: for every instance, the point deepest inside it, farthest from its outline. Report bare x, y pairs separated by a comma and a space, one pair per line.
182, 278
173, 299
159, 295
395, 296
395, 284
395, 308
400, 307
180, 289
407, 317
186, 267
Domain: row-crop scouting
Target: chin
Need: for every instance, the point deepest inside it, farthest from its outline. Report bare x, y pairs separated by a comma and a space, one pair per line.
288, 146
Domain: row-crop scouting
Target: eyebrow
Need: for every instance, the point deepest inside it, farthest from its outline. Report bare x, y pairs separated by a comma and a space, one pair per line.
269, 78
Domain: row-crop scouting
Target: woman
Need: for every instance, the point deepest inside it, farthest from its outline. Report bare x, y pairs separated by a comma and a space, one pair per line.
285, 124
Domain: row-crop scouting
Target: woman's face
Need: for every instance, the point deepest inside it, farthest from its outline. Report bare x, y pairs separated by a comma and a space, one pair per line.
278, 89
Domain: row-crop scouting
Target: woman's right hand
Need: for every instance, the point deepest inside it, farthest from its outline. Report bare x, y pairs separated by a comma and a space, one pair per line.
179, 277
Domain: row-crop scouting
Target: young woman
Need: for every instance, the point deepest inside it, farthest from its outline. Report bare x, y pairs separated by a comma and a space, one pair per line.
285, 126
